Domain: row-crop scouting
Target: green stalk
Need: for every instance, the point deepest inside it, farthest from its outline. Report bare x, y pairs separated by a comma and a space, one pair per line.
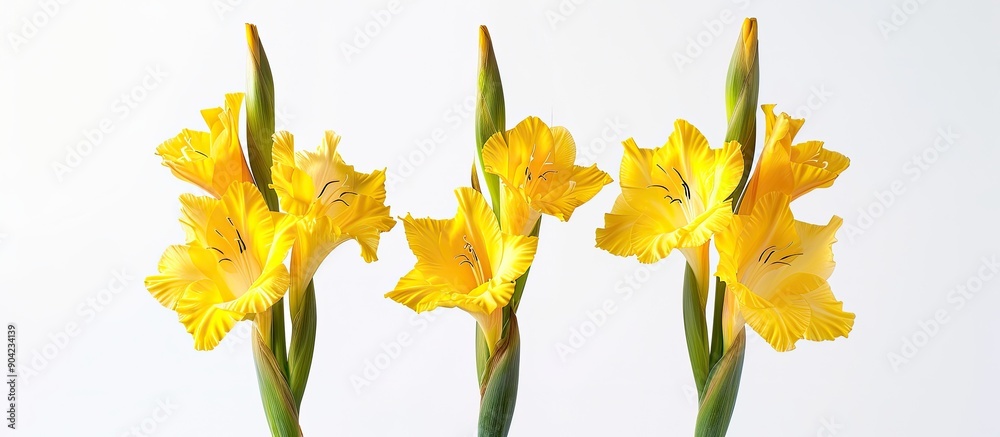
260, 128
742, 89
490, 119
695, 329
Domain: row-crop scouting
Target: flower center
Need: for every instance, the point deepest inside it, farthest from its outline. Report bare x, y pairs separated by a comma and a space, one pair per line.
771, 259
239, 268
471, 259
335, 200
674, 197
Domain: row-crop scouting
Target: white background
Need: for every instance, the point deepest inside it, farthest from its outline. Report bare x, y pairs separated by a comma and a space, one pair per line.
879, 95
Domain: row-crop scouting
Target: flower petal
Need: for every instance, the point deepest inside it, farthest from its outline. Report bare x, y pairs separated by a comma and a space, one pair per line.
828, 319
581, 185
195, 212
199, 313
616, 235
296, 190
815, 167
781, 320
176, 272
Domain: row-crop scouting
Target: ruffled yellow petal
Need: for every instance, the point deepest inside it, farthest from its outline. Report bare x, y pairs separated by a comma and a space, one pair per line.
582, 184
176, 272
421, 292
464, 262
792, 170
672, 197
535, 164
815, 167
212, 160
295, 189
616, 235
781, 320
828, 319
195, 211
199, 312
776, 269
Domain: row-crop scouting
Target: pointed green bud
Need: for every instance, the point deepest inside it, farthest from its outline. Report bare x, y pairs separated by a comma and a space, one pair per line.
490, 115
742, 84
260, 116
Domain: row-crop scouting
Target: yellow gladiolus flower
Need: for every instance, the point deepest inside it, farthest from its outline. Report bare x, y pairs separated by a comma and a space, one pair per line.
335, 204
777, 269
792, 170
536, 165
232, 266
673, 197
464, 262
211, 160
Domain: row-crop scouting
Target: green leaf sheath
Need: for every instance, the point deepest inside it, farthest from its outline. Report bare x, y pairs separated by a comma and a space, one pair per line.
717, 404
279, 407
695, 328
300, 354
499, 386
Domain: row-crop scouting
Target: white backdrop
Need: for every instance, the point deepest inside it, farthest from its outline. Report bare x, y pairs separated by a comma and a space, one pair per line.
907, 89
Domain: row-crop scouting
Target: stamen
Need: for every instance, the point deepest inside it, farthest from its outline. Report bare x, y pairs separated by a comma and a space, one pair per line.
542, 176
672, 199
789, 256
200, 153
347, 192
239, 240
217, 250
226, 259
658, 186
687, 189
340, 200
324, 188
762, 253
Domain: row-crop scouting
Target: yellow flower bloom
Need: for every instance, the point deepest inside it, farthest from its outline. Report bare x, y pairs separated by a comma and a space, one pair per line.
792, 170
464, 262
536, 166
777, 269
335, 204
211, 160
231, 267
674, 196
